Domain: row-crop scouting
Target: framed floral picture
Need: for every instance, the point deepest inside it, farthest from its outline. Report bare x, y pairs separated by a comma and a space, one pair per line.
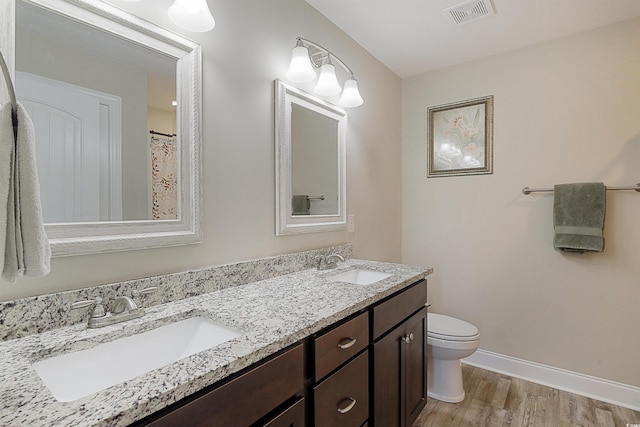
460, 138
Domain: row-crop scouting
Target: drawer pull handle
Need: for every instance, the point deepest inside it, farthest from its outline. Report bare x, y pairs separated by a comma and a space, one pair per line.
346, 343
349, 407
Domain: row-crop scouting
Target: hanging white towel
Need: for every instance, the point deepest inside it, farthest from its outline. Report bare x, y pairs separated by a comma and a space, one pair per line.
6, 159
24, 247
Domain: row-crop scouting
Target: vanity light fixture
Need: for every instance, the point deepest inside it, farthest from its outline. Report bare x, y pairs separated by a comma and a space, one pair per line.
190, 15
308, 55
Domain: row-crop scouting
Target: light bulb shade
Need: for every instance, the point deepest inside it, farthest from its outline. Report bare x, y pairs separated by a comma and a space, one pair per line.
192, 15
350, 95
300, 69
327, 82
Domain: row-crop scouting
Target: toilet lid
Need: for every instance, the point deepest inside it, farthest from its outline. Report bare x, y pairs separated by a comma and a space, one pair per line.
447, 327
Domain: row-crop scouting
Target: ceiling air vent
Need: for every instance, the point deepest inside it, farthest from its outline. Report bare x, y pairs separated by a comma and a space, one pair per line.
470, 11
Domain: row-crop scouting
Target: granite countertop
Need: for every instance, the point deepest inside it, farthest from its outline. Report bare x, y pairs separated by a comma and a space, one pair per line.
273, 313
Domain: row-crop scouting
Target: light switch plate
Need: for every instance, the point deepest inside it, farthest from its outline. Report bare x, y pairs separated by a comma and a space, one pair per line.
351, 223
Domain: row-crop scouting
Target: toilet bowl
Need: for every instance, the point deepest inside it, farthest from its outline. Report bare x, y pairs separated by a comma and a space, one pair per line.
448, 340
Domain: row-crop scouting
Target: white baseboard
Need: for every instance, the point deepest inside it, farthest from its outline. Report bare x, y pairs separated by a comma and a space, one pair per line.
573, 382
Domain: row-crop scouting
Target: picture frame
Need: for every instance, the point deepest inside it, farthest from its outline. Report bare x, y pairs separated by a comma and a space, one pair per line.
460, 138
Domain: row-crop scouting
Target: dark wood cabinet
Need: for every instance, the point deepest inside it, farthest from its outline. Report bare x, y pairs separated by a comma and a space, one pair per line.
242, 401
367, 370
399, 371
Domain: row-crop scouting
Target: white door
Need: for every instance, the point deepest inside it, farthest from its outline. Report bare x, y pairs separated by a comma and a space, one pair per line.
79, 181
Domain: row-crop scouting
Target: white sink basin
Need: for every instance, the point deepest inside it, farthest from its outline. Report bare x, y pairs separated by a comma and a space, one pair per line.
360, 277
74, 375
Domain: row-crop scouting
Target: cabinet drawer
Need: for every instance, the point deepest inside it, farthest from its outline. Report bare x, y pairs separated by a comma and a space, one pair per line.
400, 306
246, 399
293, 416
340, 344
342, 400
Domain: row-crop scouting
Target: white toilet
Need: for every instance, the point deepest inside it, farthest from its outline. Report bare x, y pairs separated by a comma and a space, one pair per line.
448, 340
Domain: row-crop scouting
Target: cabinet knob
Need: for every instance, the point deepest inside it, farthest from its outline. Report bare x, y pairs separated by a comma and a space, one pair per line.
346, 343
350, 405
408, 338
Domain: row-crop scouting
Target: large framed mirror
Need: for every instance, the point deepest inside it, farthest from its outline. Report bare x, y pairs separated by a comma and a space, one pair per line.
310, 163
116, 105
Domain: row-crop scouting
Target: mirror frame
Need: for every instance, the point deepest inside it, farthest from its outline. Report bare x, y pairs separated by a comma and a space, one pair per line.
286, 223
110, 236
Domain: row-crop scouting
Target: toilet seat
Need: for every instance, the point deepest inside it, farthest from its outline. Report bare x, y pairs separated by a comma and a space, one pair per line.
450, 329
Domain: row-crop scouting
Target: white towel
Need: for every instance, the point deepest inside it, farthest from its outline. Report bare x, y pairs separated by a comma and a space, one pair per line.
24, 247
6, 158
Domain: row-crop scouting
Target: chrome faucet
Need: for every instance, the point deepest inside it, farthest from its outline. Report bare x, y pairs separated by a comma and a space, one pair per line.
327, 262
124, 308
124, 304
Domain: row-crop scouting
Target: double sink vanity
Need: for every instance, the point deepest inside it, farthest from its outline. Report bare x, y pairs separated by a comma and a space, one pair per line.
344, 346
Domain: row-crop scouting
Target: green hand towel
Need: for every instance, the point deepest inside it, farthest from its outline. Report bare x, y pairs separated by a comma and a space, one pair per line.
578, 217
300, 204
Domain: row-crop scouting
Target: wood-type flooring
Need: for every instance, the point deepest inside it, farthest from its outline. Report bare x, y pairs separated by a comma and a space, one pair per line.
498, 400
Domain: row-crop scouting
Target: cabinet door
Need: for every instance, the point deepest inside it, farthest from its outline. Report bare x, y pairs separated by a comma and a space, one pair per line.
388, 370
400, 373
416, 366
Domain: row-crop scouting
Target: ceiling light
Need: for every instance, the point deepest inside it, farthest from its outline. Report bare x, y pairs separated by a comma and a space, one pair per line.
308, 55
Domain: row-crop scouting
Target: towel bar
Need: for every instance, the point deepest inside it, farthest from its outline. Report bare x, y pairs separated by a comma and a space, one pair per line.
527, 190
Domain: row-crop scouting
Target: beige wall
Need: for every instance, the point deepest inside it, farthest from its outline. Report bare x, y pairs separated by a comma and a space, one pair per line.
565, 111
249, 48
161, 120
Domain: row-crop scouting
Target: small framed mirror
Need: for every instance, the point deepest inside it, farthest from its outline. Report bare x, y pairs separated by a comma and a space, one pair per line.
116, 104
310, 163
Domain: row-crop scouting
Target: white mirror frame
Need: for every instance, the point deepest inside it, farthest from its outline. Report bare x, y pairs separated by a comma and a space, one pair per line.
96, 237
286, 223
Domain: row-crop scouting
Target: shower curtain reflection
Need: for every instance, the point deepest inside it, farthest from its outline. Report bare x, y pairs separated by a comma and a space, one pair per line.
164, 175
